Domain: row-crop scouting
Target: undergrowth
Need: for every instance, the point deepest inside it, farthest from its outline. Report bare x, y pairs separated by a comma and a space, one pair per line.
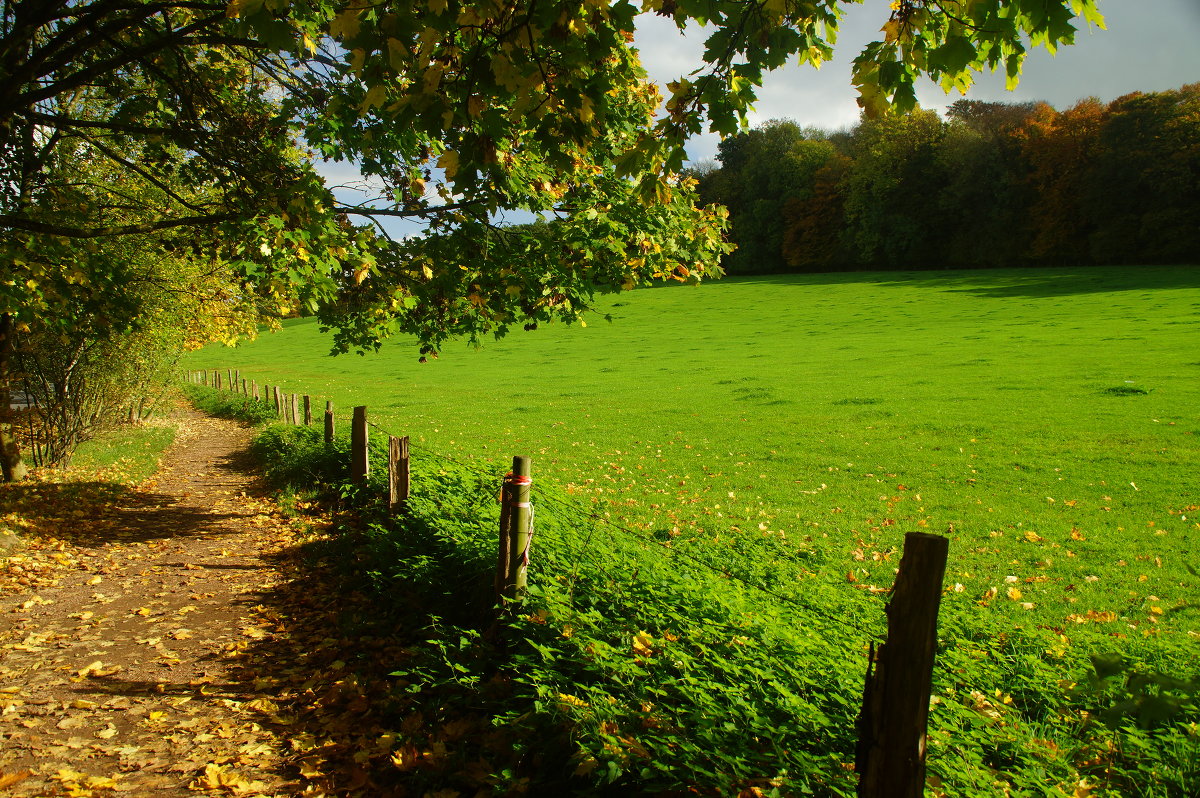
645, 661
226, 404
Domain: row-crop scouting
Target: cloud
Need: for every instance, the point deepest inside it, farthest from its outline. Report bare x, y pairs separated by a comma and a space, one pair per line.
1149, 46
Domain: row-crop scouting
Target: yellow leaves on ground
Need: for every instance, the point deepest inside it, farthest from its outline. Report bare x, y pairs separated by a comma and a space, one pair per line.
9, 779
81, 785
1093, 616
94, 669
225, 779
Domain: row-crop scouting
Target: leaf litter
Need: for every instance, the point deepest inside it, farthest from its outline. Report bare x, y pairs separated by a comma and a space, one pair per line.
172, 639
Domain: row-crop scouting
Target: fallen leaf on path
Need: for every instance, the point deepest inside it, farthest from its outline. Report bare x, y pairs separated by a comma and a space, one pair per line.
9, 779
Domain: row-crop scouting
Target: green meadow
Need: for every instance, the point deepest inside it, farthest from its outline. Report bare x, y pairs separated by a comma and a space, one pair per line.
1047, 421
1003, 405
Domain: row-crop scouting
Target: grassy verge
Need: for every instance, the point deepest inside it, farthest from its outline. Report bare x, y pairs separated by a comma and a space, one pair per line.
129, 453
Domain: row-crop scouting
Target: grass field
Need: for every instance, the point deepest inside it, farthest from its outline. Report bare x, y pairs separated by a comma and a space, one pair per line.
1010, 405
1048, 421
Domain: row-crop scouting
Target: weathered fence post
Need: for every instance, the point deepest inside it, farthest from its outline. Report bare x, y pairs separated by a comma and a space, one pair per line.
295, 409
245, 388
358, 445
328, 422
229, 379
237, 380
891, 728
254, 389
278, 396
217, 380
307, 411
397, 474
517, 532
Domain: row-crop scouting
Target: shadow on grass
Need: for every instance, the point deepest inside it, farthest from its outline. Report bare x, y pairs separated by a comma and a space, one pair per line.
1031, 283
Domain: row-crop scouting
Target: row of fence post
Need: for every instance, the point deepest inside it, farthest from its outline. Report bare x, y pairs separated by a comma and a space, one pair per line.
892, 724
516, 509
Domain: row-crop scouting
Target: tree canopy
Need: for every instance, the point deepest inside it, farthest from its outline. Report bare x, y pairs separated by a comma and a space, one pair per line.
454, 110
206, 118
992, 184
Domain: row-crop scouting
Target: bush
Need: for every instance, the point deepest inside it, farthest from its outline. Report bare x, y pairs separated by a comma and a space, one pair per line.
226, 404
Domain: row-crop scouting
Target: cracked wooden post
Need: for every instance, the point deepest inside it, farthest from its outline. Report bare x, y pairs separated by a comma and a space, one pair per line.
295, 410
278, 397
358, 445
254, 389
398, 484
891, 728
307, 410
328, 423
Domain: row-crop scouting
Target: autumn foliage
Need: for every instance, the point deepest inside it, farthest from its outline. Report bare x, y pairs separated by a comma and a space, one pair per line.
992, 184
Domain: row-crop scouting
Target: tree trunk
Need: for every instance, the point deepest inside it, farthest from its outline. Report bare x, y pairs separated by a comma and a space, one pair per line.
12, 468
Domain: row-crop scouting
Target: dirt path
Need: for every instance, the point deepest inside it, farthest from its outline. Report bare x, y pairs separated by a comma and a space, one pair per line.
130, 633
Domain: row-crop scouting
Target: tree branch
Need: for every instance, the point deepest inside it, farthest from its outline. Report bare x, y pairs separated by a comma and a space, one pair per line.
14, 222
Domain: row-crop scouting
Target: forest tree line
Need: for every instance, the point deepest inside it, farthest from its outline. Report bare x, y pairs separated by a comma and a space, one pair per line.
991, 184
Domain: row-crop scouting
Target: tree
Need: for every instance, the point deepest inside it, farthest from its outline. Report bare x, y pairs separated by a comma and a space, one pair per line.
458, 109
892, 191
1142, 190
1058, 149
985, 189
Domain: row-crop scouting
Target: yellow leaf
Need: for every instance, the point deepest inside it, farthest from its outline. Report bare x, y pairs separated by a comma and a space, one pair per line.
1033, 537
1014, 594
310, 44
448, 163
641, 644
375, 97
432, 78
345, 25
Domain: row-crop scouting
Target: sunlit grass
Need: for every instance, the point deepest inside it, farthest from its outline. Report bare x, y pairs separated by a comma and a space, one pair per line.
1047, 420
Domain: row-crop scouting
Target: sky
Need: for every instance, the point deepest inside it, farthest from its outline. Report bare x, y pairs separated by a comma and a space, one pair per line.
1149, 45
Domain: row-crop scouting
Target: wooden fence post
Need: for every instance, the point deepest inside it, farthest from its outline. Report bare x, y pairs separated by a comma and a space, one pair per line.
307, 411
519, 531
358, 445
397, 474
245, 391
229, 379
295, 410
278, 401
217, 380
891, 728
328, 422
237, 380
254, 389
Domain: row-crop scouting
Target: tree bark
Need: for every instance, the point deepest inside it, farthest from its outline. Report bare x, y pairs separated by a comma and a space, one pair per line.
12, 467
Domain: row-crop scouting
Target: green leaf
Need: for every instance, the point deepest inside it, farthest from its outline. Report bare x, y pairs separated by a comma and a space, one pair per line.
954, 56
